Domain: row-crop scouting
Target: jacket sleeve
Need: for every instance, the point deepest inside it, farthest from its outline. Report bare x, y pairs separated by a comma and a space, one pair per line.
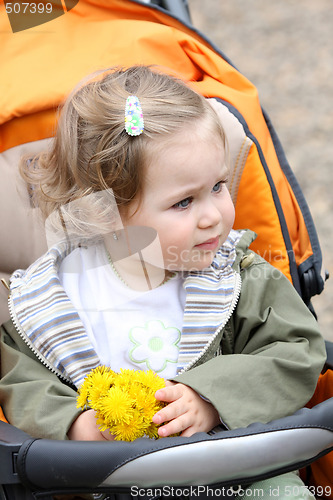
271, 366
32, 397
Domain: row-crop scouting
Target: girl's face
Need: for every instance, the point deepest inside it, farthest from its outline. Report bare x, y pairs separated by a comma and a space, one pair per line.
186, 200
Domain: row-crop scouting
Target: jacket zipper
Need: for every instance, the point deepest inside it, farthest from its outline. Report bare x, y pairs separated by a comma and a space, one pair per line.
24, 337
235, 298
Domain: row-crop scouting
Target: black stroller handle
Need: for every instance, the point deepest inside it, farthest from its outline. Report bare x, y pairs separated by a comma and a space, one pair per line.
225, 458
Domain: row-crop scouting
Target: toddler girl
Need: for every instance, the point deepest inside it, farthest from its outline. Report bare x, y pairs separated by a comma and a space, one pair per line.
145, 271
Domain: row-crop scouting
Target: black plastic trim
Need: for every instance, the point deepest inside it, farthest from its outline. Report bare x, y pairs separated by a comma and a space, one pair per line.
313, 283
276, 199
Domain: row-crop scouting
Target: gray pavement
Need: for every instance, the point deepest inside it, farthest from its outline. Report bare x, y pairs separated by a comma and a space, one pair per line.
285, 48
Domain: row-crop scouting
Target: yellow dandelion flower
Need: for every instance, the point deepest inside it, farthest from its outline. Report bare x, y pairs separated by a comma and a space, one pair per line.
99, 382
116, 405
152, 431
126, 377
148, 406
137, 377
95, 385
125, 402
102, 424
82, 400
99, 374
151, 380
139, 396
128, 432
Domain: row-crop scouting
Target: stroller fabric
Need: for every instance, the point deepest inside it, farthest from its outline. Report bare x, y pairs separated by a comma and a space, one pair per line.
37, 77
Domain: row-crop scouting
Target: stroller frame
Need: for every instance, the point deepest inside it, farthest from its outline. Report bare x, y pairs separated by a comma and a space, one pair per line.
35, 468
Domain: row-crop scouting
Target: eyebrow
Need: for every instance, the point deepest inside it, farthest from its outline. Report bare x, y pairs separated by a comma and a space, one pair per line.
185, 193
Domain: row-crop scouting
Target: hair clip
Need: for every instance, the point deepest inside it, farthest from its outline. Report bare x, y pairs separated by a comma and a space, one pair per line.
133, 116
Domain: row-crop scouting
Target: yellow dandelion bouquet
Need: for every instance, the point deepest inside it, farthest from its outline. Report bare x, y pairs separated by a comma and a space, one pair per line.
124, 402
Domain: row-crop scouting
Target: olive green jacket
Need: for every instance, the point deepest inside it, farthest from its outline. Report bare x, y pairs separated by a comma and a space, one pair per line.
263, 364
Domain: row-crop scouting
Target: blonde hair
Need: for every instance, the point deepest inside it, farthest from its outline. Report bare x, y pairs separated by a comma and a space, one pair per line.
92, 152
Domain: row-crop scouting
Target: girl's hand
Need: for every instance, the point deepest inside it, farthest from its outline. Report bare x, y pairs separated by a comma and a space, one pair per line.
186, 412
85, 428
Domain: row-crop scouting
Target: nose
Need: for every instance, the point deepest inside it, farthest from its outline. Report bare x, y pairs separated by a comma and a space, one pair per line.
209, 215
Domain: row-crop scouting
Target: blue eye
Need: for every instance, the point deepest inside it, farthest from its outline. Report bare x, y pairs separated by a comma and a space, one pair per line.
184, 203
218, 186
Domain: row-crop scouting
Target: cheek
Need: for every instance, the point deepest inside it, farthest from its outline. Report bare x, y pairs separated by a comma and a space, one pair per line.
175, 238
228, 211
175, 228
231, 213
175, 246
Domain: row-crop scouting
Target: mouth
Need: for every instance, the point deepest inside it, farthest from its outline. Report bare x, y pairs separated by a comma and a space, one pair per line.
211, 244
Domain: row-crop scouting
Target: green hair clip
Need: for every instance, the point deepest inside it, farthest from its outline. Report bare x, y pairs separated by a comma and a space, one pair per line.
133, 116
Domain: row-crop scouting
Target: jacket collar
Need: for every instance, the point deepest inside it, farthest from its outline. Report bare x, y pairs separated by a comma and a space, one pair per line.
211, 296
45, 317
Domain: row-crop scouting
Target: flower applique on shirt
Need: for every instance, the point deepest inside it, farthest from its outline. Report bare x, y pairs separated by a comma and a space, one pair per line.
155, 345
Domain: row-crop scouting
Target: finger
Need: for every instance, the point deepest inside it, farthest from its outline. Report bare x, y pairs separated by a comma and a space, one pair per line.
107, 436
175, 426
169, 393
171, 411
188, 432
168, 383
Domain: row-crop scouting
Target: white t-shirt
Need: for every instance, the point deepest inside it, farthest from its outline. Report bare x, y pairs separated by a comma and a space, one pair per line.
127, 328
